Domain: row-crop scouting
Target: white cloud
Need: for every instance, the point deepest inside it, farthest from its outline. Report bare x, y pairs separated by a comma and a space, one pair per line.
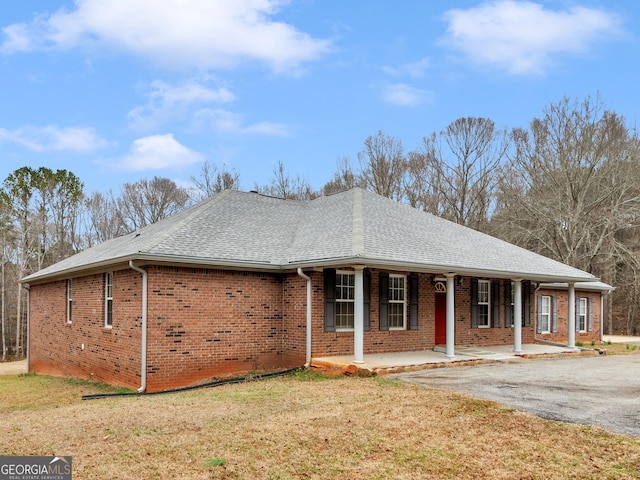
404, 95
155, 152
52, 138
167, 102
414, 69
523, 37
174, 33
229, 122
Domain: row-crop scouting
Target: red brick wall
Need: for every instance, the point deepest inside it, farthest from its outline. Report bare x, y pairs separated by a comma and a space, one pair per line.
201, 324
110, 355
563, 310
212, 323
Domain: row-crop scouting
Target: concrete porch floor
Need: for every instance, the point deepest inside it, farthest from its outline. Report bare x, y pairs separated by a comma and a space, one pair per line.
383, 363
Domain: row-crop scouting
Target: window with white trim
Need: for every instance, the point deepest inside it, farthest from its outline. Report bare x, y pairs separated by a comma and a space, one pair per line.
581, 315
397, 302
545, 314
108, 300
345, 296
484, 303
69, 300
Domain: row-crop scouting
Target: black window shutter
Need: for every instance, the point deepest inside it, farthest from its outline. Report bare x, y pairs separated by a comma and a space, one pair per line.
495, 292
413, 305
366, 312
576, 316
554, 313
329, 300
383, 280
526, 304
474, 303
539, 314
507, 305
590, 315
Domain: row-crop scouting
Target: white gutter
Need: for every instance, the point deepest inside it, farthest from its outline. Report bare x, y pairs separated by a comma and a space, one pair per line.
27, 287
143, 359
308, 279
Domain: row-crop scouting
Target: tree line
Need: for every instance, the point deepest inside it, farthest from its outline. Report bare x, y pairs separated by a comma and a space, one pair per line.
567, 187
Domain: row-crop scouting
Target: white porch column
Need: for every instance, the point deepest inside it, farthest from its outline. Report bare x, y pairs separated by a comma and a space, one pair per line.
451, 334
517, 316
358, 315
571, 334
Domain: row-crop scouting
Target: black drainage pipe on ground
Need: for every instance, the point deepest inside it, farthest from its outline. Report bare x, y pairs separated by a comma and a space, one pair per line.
217, 383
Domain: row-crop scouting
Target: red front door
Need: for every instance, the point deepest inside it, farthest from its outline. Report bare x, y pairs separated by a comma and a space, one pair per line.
441, 318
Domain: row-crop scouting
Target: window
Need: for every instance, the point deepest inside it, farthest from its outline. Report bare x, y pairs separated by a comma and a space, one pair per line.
397, 303
484, 300
545, 314
581, 315
345, 291
69, 301
108, 300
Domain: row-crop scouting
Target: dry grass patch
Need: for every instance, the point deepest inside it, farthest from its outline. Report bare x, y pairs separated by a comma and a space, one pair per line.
293, 427
612, 348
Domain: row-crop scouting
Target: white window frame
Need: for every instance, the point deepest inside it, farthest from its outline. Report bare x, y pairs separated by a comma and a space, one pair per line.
394, 299
69, 300
545, 314
581, 314
482, 303
343, 302
108, 300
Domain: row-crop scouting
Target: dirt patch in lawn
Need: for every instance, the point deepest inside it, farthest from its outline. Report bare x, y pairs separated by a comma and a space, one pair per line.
300, 427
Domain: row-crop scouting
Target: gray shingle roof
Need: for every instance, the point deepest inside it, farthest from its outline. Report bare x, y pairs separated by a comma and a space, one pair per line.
249, 230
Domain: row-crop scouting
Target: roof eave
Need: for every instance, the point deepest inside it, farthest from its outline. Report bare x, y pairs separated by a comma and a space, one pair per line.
283, 265
150, 259
438, 269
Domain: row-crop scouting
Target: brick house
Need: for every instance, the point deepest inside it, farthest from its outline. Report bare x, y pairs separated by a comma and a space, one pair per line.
244, 282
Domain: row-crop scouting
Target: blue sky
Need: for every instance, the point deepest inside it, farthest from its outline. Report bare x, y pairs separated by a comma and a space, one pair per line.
120, 90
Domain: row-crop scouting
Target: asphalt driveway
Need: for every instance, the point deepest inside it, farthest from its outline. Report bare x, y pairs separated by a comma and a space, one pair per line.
598, 390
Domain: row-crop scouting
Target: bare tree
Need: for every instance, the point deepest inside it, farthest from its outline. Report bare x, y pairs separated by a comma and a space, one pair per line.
572, 187
383, 165
18, 195
423, 185
7, 248
102, 221
147, 201
454, 176
213, 180
343, 179
284, 186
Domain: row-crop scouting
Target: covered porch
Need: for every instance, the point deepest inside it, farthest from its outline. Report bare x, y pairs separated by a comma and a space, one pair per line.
396, 362
447, 285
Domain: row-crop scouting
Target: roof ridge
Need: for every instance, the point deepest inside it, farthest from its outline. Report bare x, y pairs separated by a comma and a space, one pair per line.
357, 226
197, 208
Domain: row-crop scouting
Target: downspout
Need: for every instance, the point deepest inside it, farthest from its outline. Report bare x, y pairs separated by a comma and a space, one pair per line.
143, 358
28, 289
601, 317
308, 279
